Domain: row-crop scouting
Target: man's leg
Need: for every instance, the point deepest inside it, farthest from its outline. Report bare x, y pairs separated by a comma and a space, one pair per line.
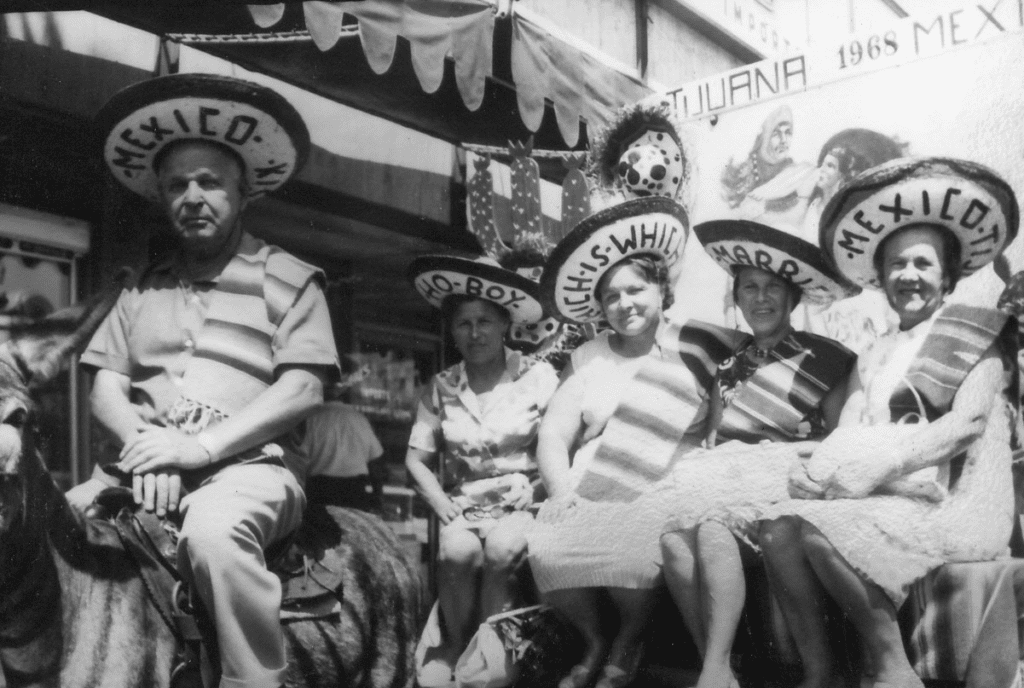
228, 522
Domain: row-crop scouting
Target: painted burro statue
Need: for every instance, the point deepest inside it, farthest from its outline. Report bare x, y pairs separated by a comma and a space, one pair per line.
207, 366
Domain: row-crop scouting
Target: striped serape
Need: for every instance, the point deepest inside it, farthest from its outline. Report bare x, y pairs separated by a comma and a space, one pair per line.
775, 402
642, 438
233, 360
963, 622
957, 340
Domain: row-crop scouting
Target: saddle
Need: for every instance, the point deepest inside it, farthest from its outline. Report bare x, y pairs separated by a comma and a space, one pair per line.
310, 572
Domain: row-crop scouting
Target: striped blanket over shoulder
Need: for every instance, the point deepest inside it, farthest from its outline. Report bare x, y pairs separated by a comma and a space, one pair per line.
774, 402
666, 397
233, 360
956, 342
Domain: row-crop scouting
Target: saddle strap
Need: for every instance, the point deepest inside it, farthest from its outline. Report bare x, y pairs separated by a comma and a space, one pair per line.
157, 579
162, 583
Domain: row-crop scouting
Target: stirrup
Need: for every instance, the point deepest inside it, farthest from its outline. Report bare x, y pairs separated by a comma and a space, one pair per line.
193, 671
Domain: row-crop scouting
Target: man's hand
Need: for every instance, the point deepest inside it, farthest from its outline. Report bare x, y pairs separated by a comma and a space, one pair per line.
155, 448
159, 491
82, 496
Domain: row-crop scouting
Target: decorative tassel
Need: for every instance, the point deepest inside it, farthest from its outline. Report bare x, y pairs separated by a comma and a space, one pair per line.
192, 417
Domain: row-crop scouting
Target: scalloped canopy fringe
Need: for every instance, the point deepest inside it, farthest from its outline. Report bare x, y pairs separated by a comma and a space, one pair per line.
543, 67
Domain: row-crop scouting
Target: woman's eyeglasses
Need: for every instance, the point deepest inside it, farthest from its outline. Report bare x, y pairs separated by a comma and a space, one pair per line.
479, 512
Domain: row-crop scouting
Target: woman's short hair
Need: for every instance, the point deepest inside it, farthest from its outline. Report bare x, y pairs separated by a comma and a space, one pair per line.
795, 292
651, 268
950, 254
452, 303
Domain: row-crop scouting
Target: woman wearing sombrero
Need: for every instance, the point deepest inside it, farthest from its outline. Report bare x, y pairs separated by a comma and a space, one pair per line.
480, 417
918, 472
612, 267
778, 385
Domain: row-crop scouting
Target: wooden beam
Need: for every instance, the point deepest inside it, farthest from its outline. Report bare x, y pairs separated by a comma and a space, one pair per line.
423, 194
642, 29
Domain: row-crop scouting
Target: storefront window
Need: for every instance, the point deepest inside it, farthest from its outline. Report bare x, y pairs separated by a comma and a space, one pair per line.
38, 272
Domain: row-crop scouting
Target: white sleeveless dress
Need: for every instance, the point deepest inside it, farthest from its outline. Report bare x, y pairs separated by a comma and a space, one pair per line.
601, 544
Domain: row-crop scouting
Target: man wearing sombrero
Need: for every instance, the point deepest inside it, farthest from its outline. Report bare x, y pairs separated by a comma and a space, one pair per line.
204, 367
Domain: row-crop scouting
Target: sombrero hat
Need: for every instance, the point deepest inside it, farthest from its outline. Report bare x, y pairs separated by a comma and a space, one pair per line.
970, 200
438, 276
255, 122
653, 225
735, 244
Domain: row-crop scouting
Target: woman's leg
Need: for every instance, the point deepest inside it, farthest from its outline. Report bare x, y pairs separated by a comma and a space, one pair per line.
634, 607
580, 607
460, 556
504, 549
679, 552
871, 611
725, 591
800, 595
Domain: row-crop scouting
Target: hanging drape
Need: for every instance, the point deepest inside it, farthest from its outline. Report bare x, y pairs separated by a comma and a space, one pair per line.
544, 67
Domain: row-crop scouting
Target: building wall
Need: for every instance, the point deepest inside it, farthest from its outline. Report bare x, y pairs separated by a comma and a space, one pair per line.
608, 25
678, 53
814, 21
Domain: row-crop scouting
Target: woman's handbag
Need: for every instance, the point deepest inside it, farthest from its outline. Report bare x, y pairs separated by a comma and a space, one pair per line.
430, 671
490, 660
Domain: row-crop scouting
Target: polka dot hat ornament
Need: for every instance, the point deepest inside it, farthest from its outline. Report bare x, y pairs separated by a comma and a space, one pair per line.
641, 164
642, 154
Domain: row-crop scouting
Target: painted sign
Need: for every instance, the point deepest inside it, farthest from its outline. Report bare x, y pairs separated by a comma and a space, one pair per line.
774, 141
907, 40
752, 22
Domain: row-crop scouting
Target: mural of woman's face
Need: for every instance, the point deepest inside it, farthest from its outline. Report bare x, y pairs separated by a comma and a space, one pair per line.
828, 174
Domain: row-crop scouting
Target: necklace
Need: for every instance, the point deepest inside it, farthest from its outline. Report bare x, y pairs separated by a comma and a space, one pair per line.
758, 352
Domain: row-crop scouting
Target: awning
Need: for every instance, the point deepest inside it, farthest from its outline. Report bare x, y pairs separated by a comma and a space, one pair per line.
450, 68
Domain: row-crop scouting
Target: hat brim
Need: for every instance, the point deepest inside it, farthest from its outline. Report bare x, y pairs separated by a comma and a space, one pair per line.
258, 124
437, 277
970, 200
735, 244
652, 225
